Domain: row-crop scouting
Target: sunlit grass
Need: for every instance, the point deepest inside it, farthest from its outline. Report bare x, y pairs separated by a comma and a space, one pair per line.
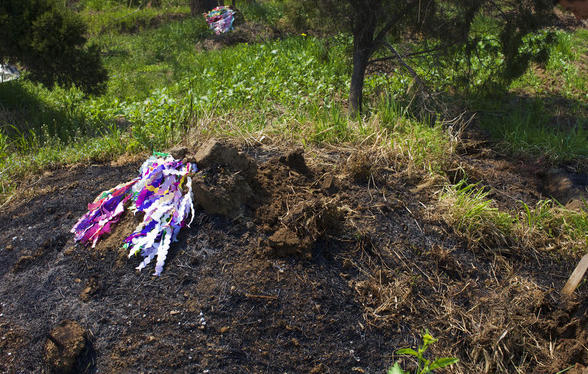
165, 88
125, 20
475, 216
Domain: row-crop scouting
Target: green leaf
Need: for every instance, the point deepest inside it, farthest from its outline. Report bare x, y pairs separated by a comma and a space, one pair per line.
428, 339
442, 362
396, 369
407, 351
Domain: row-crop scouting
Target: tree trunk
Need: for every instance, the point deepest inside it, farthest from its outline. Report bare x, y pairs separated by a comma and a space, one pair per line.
360, 60
198, 7
364, 28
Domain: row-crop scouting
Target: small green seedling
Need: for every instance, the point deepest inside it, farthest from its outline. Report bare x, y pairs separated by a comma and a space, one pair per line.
424, 366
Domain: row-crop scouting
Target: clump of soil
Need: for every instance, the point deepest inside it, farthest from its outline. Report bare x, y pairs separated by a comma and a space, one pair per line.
64, 346
313, 269
223, 184
244, 32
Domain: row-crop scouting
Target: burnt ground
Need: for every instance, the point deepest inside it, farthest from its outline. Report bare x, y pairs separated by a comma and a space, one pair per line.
334, 262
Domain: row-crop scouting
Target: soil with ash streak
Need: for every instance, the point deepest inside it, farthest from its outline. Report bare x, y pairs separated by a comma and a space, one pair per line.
329, 263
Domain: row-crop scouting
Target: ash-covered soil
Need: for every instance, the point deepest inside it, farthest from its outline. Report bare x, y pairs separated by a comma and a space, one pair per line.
330, 260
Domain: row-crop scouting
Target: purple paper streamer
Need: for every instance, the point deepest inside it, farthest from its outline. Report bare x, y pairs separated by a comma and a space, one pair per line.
220, 19
158, 193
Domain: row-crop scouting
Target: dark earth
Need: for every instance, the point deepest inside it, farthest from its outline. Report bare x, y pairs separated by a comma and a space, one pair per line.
325, 260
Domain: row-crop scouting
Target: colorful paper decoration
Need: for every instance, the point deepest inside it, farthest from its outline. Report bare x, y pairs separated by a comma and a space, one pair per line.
162, 192
220, 19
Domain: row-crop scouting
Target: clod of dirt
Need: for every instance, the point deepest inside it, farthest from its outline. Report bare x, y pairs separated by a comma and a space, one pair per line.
285, 242
568, 189
223, 186
178, 152
92, 287
214, 153
295, 160
63, 347
330, 185
221, 193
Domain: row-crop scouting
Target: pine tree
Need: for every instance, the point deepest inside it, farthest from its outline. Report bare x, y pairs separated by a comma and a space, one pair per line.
379, 25
48, 41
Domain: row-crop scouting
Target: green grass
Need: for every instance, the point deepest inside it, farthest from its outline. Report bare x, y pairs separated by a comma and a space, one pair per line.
121, 19
544, 115
554, 221
529, 129
476, 217
165, 88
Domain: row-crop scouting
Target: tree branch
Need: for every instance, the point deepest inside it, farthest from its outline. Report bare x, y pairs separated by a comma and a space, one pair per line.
414, 54
382, 34
498, 8
407, 67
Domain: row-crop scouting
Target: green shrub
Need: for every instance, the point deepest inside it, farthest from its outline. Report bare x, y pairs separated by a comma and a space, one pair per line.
48, 40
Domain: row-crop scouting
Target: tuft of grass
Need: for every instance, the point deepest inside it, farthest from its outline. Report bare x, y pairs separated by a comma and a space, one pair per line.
552, 220
329, 124
475, 216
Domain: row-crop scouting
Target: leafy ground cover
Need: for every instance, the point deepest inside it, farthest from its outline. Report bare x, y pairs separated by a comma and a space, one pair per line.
356, 237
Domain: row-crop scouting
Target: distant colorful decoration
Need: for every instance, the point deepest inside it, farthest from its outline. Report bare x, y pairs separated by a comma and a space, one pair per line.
162, 192
8, 73
220, 19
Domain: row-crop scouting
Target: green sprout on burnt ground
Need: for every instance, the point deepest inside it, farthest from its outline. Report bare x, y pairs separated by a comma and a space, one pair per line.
424, 366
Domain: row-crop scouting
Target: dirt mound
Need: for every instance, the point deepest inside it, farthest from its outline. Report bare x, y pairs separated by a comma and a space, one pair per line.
245, 32
320, 261
569, 189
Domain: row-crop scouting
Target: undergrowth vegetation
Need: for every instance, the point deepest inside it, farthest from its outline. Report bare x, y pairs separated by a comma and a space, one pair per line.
468, 208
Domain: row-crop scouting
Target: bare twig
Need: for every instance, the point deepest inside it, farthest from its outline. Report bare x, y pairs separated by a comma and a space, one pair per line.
125, 16
415, 54
252, 296
388, 26
407, 67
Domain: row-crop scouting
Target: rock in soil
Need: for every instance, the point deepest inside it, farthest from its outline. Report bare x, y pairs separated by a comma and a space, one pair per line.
223, 185
285, 242
214, 153
63, 347
178, 152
